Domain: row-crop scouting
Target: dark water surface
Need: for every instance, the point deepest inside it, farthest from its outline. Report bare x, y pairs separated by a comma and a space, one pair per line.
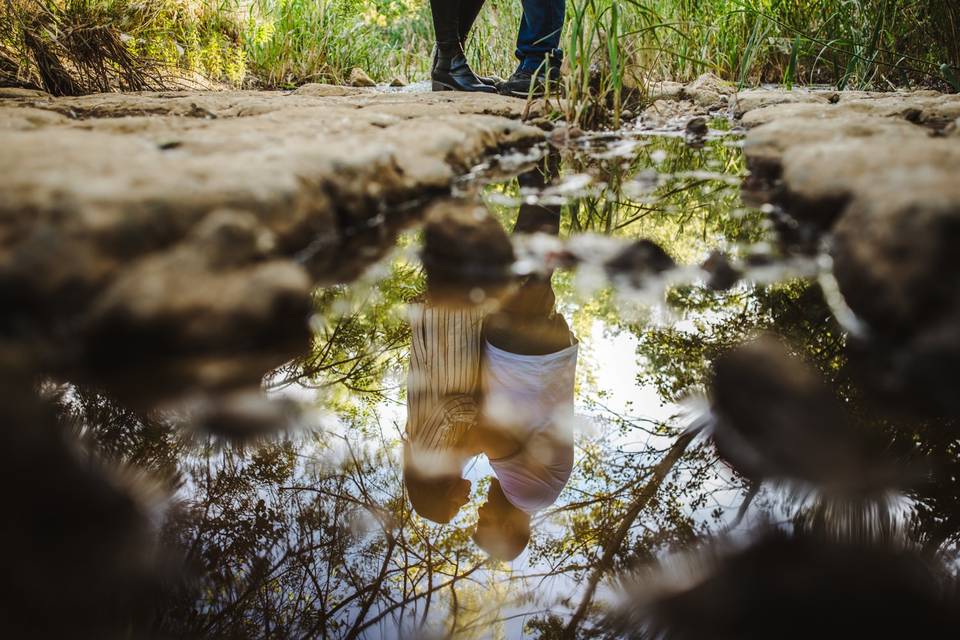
311, 534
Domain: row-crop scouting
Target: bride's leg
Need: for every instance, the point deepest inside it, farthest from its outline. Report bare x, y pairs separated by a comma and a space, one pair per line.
446, 21
469, 10
450, 71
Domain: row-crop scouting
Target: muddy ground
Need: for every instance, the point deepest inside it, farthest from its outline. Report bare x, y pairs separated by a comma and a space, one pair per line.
186, 231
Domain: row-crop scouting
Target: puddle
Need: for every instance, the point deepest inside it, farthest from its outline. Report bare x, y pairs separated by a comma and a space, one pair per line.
657, 267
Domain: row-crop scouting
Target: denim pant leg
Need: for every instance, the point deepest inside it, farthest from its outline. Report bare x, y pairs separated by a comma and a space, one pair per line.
539, 35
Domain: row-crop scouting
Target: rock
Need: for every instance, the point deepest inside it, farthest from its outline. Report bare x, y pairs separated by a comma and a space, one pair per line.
189, 244
776, 419
16, 92
791, 111
186, 301
760, 107
753, 99
709, 91
924, 366
561, 135
324, 90
398, 82
893, 253
819, 180
464, 248
85, 533
727, 592
664, 91
925, 108
359, 78
765, 147
638, 261
27, 118
723, 275
697, 126
695, 131
894, 247
667, 114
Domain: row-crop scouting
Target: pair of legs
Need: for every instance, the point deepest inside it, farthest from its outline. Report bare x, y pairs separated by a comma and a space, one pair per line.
538, 40
527, 323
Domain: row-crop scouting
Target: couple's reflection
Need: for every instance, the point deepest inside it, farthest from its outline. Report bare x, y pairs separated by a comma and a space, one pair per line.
494, 380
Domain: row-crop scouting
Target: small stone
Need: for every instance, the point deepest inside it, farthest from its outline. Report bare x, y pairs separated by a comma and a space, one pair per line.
359, 78
723, 275
697, 127
398, 82
638, 261
709, 91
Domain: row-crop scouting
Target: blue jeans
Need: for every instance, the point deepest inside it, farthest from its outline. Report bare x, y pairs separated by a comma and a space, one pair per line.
539, 33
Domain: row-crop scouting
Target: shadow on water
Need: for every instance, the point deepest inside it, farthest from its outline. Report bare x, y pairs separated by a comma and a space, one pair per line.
634, 414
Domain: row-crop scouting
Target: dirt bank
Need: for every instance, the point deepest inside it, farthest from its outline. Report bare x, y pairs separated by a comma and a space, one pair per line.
189, 229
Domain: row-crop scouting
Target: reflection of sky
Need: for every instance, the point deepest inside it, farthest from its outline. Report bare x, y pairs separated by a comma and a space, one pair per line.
608, 371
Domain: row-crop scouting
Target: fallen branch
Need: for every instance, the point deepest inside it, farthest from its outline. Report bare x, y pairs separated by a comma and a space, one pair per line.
660, 472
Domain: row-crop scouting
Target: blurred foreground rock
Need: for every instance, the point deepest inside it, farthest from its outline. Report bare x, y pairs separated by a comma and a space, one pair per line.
876, 175
82, 557
183, 233
793, 587
776, 419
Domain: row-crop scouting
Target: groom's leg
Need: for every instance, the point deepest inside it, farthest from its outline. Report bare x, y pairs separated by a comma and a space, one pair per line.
539, 34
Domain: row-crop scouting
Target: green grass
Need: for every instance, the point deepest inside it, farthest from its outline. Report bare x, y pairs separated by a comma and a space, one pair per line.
613, 45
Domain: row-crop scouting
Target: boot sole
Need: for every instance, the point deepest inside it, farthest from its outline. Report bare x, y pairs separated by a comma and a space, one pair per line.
442, 86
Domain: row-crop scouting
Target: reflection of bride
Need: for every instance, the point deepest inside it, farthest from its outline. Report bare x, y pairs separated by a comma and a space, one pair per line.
501, 385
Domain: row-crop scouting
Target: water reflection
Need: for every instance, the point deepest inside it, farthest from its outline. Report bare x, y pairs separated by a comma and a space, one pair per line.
498, 381
415, 370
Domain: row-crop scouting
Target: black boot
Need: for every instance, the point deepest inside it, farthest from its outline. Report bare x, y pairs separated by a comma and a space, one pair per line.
469, 10
524, 83
489, 81
452, 73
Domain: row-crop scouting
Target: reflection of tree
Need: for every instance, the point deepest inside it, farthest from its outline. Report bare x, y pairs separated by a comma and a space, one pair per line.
121, 435
360, 335
685, 207
676, 361
291, 547
313, 537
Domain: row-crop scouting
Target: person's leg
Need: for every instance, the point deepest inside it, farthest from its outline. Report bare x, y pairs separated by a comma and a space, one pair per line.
527, 323
539, 35
446, 22
450, 70
539, 218
469, 10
